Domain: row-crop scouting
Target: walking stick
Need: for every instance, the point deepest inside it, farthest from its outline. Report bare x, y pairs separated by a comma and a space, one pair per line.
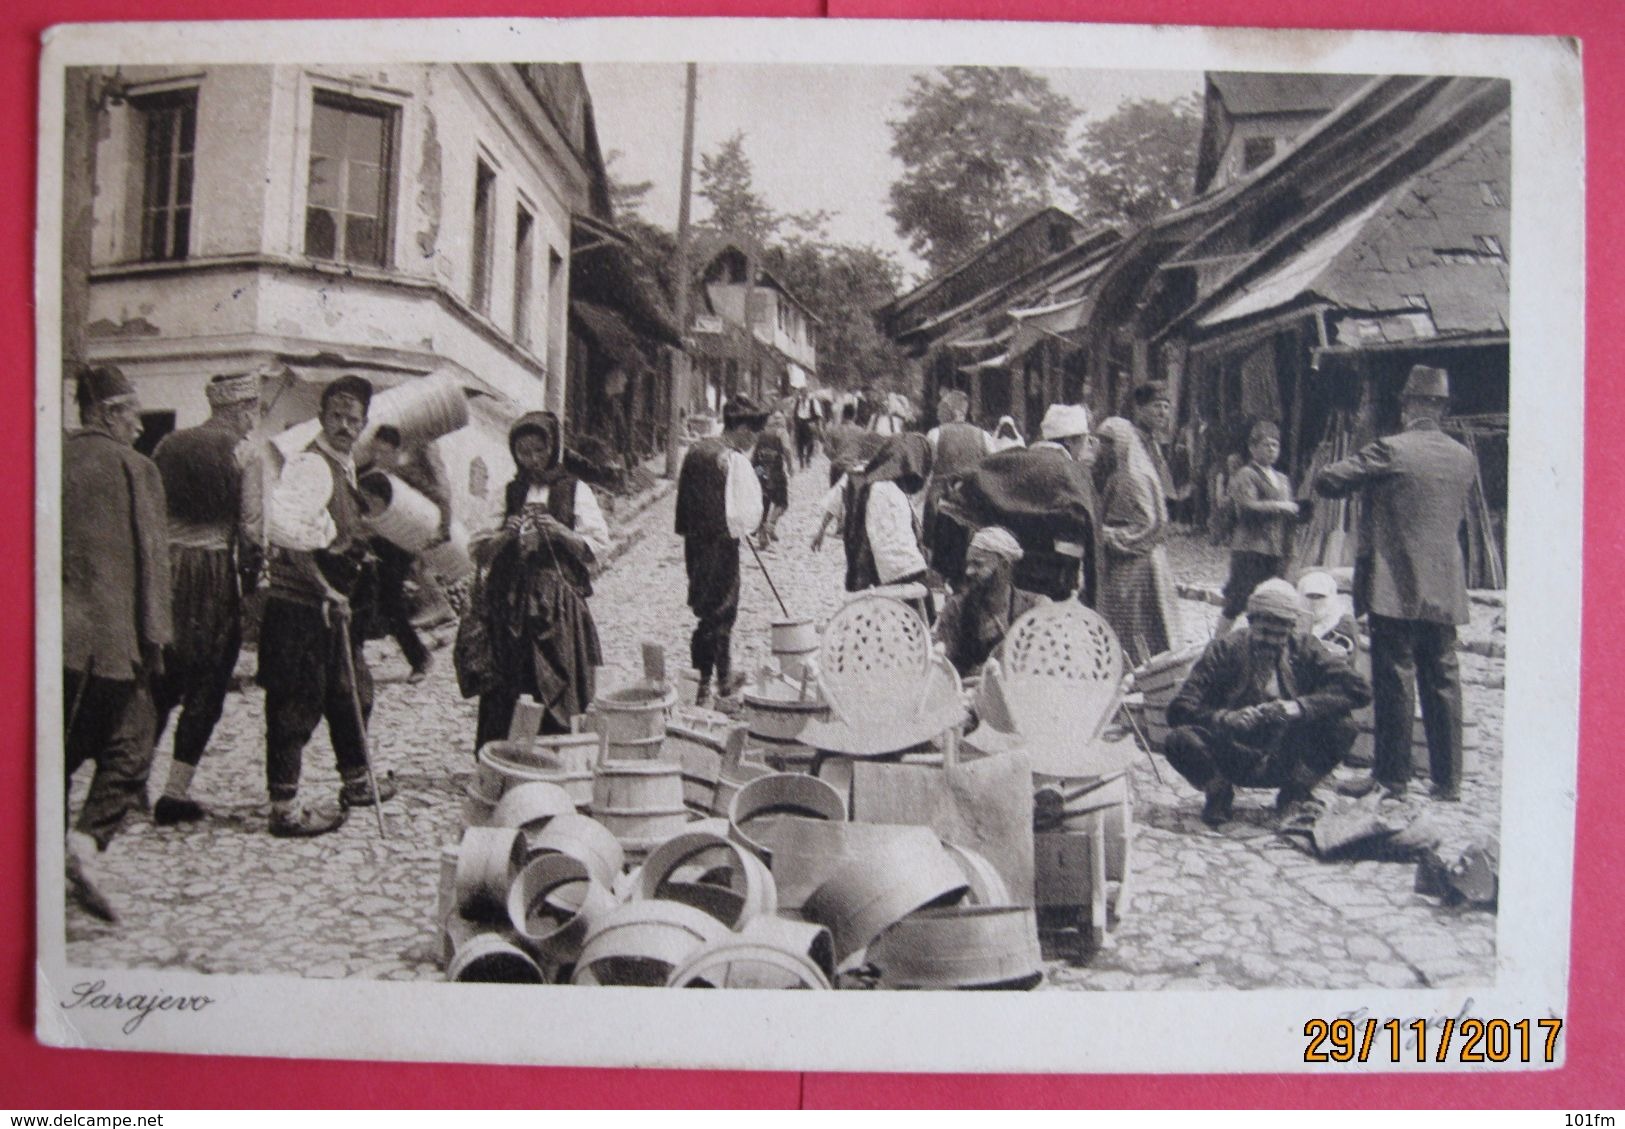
361, 722
769, 577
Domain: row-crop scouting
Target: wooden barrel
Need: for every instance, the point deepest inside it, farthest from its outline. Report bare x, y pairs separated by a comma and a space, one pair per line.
700, 754
640, 944
731, 779
871, 892
493, 958
583, 839
761, 804
487, 859
780, 719
700, 859
961, 947
527, 806
640, 801
747, 962
564, 760
552, 903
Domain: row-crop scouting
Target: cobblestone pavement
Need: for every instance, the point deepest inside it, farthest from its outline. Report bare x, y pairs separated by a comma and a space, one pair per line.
1242, 908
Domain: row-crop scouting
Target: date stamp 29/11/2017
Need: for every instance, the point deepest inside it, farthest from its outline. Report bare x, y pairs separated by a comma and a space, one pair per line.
1462, 1040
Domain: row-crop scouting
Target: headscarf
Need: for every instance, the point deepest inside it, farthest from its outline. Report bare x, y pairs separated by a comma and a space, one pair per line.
997, 540
1064, 421
1129, 450
1329, 608
905, 459
545, 424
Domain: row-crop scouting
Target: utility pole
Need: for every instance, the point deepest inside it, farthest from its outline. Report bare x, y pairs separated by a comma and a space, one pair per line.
679, 358
749, 374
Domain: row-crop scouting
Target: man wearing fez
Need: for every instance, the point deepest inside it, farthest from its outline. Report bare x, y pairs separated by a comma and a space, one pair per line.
719, 500
317, 583
115, 617
1265, 707
202, 475
1044, 495
1409, 576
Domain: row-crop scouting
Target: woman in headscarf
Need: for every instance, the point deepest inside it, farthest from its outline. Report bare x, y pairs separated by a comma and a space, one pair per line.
1136, 584
1007, 435
1329, 617
771, 459
879, 526
542, 637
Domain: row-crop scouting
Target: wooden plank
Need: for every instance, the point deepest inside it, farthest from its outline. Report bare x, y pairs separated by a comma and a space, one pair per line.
527, 721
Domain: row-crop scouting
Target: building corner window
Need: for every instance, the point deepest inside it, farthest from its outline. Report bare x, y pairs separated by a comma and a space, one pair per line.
485, 183
169, 124
347, 203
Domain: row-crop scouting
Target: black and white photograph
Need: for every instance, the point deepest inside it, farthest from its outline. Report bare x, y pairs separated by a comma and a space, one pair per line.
962, 518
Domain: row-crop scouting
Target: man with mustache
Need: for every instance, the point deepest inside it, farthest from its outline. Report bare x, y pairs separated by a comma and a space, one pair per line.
1264, 707
978, 615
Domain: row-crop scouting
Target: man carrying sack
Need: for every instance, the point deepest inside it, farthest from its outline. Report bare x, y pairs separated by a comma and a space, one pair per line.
1411, 579
319, 578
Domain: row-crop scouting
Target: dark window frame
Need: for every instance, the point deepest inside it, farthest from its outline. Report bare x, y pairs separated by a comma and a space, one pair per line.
524, 269
169, 122
340, 215
482, 236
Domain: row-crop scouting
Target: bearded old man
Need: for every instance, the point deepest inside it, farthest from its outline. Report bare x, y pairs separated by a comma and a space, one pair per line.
1266, 706
115, 618
212, 563
976, 618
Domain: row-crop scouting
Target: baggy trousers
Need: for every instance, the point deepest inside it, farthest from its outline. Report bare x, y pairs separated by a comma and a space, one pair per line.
302, 669
1407, 656
109, 723
1307, 752
199, 665
713, 596
394, 567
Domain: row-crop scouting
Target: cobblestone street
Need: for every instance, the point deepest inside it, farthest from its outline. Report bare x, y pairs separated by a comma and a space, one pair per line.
1242, 909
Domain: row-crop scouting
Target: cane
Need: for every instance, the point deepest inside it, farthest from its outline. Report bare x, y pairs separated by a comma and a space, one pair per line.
360, 720
769, 577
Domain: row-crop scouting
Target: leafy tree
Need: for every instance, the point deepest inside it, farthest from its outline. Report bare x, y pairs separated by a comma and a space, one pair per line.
979, 148
1136, 164
626, 197
727, 184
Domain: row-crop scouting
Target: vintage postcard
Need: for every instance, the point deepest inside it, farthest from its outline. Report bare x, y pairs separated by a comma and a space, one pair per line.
1059, 543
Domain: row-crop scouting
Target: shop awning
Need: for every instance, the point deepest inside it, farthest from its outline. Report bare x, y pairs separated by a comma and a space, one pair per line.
610, 332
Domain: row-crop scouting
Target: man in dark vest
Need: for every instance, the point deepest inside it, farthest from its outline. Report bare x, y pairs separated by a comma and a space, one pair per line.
320, 584
808, 413
956, 448
203, 487
718, 501
1411, 579
115, 618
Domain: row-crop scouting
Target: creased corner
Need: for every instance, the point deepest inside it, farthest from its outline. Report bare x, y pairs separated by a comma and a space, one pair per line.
51, 1024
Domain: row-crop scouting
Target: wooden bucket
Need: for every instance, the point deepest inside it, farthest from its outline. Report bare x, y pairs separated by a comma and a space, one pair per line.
1160, 677
987, 887
780, 719
700, 755
961, 947
552, 903
583, 839
565, 760
486, 861
761, 804
445, 902
633, 720
639, 801
748, 962
530, 805
640, 944
869, 893
493, 958
698, 859
477, 806
795, 642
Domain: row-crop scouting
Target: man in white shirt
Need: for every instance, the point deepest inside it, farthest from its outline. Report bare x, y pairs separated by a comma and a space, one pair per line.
718, 501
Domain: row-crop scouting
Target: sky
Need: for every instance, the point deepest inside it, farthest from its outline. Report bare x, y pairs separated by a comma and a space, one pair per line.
815, 134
